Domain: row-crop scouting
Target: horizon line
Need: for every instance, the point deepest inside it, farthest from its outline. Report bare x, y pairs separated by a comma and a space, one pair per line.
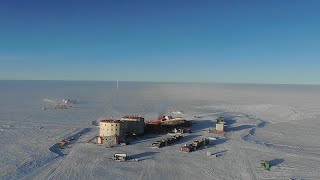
199, 82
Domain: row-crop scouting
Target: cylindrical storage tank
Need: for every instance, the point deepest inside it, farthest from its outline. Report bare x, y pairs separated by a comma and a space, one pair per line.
111, 128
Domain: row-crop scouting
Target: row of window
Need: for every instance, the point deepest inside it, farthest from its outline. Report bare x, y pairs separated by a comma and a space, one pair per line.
111, 125
111, 129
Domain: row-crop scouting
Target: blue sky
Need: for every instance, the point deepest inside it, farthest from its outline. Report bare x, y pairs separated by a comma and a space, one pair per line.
169, 40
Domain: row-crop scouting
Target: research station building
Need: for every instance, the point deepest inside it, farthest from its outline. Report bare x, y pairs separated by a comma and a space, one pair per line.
115, 131
133, 125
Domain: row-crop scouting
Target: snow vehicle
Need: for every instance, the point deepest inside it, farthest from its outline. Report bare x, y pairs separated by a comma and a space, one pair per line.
120, 157
265, 165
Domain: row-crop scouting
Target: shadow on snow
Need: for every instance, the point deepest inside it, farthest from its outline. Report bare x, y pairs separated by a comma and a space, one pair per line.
276, 162
144, 155
240, 128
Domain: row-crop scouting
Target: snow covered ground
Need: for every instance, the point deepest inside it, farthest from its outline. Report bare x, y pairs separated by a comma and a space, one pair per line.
279, 123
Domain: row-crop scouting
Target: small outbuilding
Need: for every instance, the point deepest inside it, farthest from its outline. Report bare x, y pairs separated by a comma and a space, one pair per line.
220, 127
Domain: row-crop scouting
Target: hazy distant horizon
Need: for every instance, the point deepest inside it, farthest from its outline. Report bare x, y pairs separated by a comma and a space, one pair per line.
137, 81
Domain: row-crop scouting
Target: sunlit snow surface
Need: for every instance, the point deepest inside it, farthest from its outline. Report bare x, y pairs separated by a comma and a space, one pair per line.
280, 123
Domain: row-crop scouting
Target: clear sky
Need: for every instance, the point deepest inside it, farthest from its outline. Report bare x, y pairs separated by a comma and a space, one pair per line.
272, 41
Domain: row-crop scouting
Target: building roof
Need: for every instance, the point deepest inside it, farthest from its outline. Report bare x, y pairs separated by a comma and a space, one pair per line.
110, 121
133, 117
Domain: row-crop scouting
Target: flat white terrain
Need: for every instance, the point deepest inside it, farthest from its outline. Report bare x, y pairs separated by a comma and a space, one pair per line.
279, 123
